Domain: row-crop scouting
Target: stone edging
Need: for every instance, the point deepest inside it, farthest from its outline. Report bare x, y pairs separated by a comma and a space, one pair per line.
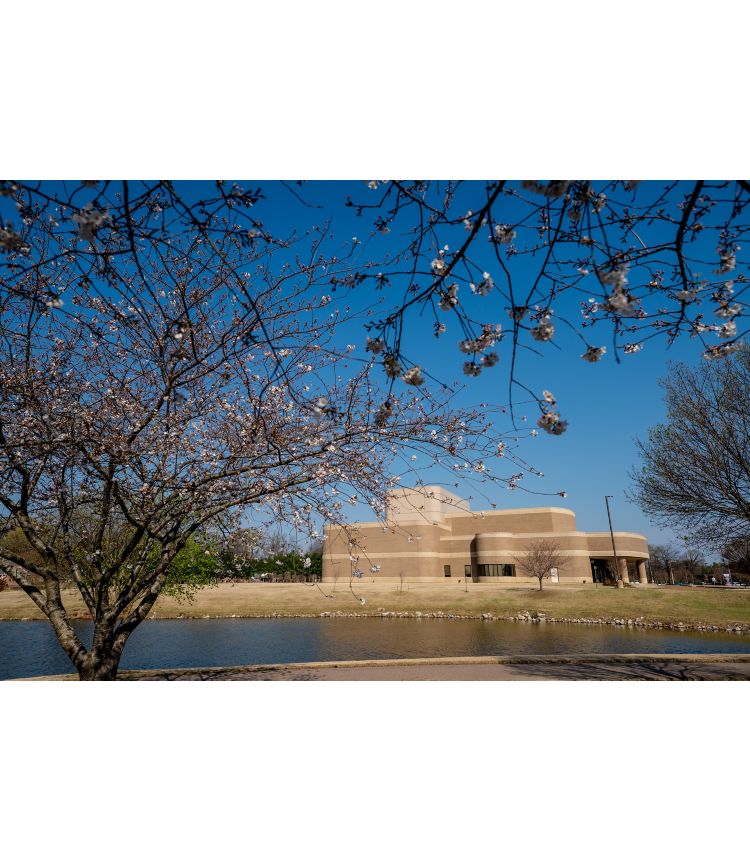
534, 617
525, 616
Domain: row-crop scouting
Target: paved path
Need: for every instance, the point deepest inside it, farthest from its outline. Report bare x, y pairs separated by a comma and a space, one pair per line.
701, 667
582, 667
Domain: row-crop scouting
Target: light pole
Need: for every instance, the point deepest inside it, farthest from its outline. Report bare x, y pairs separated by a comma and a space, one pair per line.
612, 535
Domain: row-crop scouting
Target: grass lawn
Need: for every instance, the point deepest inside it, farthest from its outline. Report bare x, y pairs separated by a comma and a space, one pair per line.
665, 604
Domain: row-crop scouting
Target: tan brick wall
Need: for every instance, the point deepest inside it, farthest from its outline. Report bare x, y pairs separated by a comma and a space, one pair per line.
416, 548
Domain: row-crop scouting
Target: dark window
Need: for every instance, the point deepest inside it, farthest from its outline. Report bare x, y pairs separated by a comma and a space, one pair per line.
497, 570
447, 569
467, 571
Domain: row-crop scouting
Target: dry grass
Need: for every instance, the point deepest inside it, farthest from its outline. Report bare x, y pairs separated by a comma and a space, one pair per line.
669, 605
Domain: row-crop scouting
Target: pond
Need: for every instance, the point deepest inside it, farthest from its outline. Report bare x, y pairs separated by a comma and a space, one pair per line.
29, 647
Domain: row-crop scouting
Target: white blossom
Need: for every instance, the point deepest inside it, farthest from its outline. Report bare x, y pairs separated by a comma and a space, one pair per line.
552, 423
413, 376
448, 298
484, 287
687, 295
620, 302
543, 331
11, 241
727, 311
614, 276
594, 353
375, 345
504, 234
89, 220
438, 265
392, 366
383, 413
727, 260
721, 350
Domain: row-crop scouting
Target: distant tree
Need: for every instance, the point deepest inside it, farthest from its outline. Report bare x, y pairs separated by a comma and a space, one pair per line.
695, 469
195, 566
236, 552
736, 556
663, 559
16, 542
692, 563
314, 570
275, 543
539, 558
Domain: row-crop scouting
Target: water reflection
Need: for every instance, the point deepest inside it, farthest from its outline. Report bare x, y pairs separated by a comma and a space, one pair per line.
30, 648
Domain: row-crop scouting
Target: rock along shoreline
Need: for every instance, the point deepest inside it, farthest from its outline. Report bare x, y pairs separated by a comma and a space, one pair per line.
529, 617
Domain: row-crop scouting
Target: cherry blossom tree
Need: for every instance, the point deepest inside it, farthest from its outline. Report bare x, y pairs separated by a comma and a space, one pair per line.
499, 267
163, 372
506, 267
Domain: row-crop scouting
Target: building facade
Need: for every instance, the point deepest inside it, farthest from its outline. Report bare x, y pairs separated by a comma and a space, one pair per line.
432, 535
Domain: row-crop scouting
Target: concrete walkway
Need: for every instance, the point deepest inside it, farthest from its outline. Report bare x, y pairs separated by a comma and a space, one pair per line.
588, 667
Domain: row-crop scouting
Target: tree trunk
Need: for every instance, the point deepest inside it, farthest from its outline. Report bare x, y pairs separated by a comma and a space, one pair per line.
98, 668
101, 662
540, 584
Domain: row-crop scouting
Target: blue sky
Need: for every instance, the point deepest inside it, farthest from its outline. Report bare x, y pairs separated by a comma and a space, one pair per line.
607, 404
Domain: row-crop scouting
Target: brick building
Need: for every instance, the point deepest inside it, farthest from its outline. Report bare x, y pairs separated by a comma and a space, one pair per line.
431, 535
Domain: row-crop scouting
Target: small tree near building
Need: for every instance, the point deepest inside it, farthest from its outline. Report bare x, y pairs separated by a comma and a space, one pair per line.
540, 558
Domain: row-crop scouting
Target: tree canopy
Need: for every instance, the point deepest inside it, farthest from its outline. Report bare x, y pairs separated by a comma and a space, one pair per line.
695, 471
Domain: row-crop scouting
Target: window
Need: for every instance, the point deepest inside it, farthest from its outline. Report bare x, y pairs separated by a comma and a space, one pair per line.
497, 570
467, 571
447, 569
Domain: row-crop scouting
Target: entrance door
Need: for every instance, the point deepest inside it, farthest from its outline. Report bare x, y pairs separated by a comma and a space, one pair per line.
599, 570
